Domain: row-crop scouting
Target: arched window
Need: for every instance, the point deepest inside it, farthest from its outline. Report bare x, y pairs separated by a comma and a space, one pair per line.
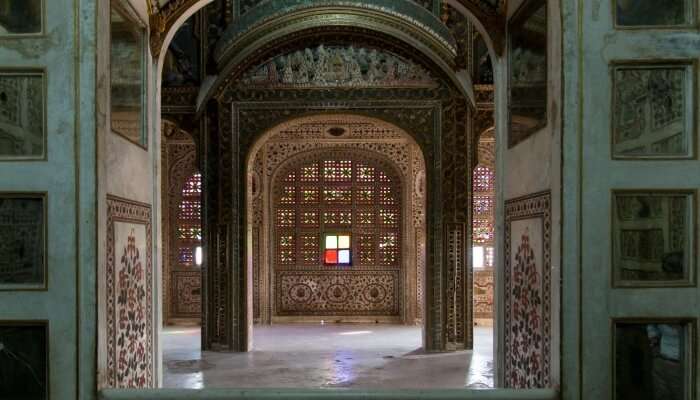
338, 213
336, 234
189, 222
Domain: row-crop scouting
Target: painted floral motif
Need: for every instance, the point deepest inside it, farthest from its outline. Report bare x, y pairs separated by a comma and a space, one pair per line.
526, 352
132, 355
129, 351
527, 292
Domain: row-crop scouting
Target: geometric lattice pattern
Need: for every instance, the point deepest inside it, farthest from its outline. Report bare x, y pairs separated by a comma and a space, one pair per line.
484, 196
332, 210
189, 220
483, 228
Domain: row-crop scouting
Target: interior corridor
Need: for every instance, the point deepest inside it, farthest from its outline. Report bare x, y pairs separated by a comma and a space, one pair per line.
327, 356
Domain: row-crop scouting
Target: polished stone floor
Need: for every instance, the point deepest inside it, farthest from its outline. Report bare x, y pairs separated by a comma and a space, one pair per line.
327, 356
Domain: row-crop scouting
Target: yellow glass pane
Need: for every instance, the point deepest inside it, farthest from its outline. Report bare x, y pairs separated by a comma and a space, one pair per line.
331, 242
344, 242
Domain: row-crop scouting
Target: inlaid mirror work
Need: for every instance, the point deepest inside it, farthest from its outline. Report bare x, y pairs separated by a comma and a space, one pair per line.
21, 115
127, 76
653, 360
653, 115
527, 58
20, 17
653, 13
652, 238
23, 361
22, 247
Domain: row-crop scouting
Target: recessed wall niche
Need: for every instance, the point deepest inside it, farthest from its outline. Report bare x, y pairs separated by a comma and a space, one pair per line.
23, 361
127, 71
22, 241
21, 17
22, 115
653, 238
653, 359
653, 113
527, 63
653, 13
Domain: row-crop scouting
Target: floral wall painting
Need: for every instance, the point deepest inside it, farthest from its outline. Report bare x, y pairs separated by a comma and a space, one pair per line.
23, 361
129, 295
649, 13
527, 292
527, 63
22, 242
652, 111
21, 115
653, 360
20, 17
127, 76
652, 238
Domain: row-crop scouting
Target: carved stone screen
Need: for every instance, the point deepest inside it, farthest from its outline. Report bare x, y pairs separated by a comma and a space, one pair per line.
652, 238
23, 361
22, 248
127, 76
527, 60
186, 274
653, 360
653, 13
340, 195
22, 115
653, 111
20, 17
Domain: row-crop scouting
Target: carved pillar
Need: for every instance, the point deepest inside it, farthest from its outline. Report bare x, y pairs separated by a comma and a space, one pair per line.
213, 335
456, 217
229, 295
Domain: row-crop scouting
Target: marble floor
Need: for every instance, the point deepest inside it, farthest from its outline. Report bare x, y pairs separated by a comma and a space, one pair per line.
327, 356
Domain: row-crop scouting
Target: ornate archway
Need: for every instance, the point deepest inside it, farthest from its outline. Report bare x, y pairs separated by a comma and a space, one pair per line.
352, 138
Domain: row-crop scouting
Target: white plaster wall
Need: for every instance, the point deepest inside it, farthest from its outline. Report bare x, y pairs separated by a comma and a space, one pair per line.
126, 170
534, 165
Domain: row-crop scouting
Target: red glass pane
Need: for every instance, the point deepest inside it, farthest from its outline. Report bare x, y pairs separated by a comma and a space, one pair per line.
331, 257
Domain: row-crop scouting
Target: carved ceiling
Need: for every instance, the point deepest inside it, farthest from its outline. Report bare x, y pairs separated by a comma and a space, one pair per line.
164, 14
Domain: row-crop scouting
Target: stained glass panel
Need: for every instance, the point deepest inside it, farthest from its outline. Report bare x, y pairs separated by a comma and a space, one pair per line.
331, 257
344, 257
344, 242
331, 242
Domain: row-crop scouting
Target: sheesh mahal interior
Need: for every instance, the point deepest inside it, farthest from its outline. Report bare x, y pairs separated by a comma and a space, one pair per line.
356, 199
